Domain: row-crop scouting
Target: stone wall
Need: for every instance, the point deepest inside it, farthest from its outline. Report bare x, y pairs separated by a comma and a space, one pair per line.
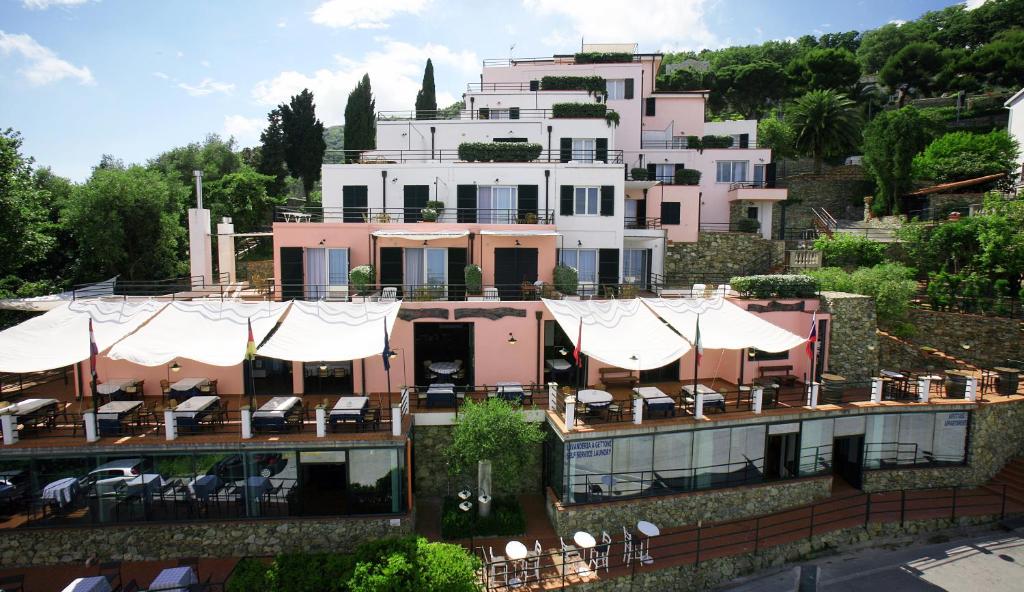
894, 352
716, 505
853, 342
431, 470
996, 436
990, 341
146, 542
841, 191
725, 253
942, 204
738, 211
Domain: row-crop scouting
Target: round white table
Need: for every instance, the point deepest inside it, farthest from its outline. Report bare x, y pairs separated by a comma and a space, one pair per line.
444, 368
515, 551
594, 397
648, 530
584, 540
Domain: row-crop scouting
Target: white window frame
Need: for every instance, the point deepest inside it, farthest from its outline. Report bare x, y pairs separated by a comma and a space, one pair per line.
498, 113
588, 193
571, 257
640, 280
491, 214
759, 170
733, 166
584, 149
615, 89
659, 172
426, 265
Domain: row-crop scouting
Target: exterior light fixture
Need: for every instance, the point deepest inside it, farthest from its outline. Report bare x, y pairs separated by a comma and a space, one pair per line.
517, 242
562, 351
175, 367
633, 357
323, 366
579, 243
512, 339
322, 241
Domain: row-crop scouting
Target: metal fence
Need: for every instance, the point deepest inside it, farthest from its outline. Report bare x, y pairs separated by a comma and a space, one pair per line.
451, 154
358, 215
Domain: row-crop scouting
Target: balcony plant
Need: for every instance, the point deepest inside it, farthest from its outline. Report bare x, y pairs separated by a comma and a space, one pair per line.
603, 57
594, 85
748, 225
474, 279
716, 142
612, 118
566, 279
578, 110
432, 211
360, 277
687, 177
499, 151
775, 286
638, 174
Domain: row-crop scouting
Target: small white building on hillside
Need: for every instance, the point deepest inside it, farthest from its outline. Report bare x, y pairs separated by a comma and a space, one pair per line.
1016, 126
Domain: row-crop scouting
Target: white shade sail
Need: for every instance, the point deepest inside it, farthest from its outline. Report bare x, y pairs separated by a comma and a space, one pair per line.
322, 331
60, 337
213, 333
723, 325
622, 333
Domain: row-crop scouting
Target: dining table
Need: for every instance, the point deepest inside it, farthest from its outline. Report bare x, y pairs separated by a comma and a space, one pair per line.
585, 542
594, 399
204, 486
114, 388
510, 390
111, 417
516, 552
188, 387
192, 412
349, 409
441, 394
89, 584
274, 413
712, 398
174, 579
62, 491
35, 412
656, 400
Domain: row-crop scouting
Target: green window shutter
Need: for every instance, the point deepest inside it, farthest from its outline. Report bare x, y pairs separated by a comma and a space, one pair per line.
670, 213
565, 149
649, 108
534, 85
601, 149
292, 266
652, 172
416, 197
353, 203
513, 113
607, 200
466, 203
565, 203
391, 267
527, 198
744, 140
484, 113
628, 93
608, 266
456, 273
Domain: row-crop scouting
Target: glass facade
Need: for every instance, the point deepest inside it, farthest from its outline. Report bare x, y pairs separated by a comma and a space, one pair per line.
168, 486
680, 461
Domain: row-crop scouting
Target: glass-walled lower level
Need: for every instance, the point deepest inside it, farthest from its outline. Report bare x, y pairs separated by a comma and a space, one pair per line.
169, 486
663, 463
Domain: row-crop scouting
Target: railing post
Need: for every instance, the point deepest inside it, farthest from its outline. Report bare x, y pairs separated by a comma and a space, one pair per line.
971, 390
876, 389
903, 506
246, 422
924, 385
321, 422
699, 528
170, 424
867, 512
553, 396
757, 534
953, 517
698, 405
812, 395
638, 410
10, 427
570, 413
91, 433
758, 392
810, 534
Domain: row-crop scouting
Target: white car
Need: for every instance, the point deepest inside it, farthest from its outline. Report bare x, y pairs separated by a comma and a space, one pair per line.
122, 476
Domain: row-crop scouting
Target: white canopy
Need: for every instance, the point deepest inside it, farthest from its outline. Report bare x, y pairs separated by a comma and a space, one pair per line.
210, 332
60, 337
321, 331
623, 333
421, 235
723, 325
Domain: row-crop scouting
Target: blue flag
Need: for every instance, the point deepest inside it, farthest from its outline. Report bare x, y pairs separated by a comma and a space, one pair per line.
386, 354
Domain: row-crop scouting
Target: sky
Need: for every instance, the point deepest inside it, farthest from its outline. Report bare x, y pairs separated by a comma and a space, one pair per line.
83, 78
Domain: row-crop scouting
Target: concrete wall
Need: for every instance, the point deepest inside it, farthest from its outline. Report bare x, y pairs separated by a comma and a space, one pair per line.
853, 342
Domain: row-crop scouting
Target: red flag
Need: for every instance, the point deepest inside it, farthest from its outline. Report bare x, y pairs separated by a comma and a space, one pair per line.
93, 352
812, 337
697, 343
579, 346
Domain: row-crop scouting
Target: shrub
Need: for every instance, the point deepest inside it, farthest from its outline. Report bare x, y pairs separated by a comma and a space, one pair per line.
298, 572
566, 279
393, 573
687, 177
584, 110
249, 575
611, 118
748, 225
848, 250
474, 279
603, 57
361, 276
506, 519
891, 285
708, 142
963, 155
775, 286
591, 84
638, 174
694, 143
499, 151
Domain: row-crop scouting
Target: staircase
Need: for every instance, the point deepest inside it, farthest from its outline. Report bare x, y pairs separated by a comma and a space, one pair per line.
873, 232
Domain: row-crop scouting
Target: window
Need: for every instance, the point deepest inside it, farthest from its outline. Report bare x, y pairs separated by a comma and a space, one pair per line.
586, 202
584, 261
631, 213
616, 89
634, 266
757, 355
496, 205
759, 174
583, 149
337, 267
666, 173
487, 113
731, 171
754, 212
426, 267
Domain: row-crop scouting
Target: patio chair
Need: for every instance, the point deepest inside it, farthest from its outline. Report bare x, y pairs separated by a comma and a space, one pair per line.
723, 290
371, 418
531, 565
599, 554
295, 419
149, 414
988, 381
697, 291
221, 413
627, 546
491, 295
498, 568
165, 389
569, 554
133, 390
614, 411
388, 295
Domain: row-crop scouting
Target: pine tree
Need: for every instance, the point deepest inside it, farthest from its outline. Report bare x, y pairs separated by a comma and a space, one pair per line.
426, 99
303, 139
360, 132
272, 151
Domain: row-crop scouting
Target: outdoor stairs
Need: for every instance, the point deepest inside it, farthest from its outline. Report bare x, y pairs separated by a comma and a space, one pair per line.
1012, 476
874, 232
943, 359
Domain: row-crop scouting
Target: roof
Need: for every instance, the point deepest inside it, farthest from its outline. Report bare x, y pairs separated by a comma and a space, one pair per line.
958, 184
1014, 99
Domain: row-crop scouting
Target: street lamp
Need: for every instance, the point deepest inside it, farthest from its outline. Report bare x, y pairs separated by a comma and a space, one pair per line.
466, 506
173, 367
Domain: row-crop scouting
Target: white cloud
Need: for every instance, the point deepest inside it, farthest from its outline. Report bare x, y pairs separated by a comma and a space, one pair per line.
396, 71
205, 63
246, 130
898, 22
44, 4
206, 87
179, 54
972, 4
161, 76
282, 24
348, 14
668, 23
43, 67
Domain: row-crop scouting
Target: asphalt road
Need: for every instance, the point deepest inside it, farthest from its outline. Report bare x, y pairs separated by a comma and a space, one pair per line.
990, 562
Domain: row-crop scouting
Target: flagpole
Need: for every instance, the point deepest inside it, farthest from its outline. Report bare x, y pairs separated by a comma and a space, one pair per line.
696, 358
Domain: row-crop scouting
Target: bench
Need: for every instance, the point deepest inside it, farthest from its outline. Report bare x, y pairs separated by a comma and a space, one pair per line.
787, 377
610, 376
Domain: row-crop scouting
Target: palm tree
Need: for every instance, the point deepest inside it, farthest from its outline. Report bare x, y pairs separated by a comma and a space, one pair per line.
826, 124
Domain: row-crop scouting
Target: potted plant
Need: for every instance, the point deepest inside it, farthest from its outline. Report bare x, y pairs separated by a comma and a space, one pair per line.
474, 279
432, 211
566, 279
360, 277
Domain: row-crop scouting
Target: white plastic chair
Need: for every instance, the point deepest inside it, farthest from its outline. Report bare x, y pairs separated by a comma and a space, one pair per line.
570, 556
388, 295
532, 563
599, 554
698, 291
499, 567
723, 290
491, 295
627, 546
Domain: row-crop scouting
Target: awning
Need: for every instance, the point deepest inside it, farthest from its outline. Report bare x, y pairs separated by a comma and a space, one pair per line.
60, 337
420, 236
520, 233
322, 331
214, 332
622, 333
723, 325
51, 301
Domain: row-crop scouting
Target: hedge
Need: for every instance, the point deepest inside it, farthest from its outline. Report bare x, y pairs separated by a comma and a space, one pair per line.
638, 174
588, 110
775, 286
506, 519
748, 225
499, 151
708, 142
591, 84
474, 279
687, 177
601, 57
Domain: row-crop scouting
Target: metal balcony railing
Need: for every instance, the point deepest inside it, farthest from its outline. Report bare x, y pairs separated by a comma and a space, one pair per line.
481, 113
354, 215
750, 185
452, 155
680, 143
641, 223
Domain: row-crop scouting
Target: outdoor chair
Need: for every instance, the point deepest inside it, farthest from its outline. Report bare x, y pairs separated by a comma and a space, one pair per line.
599, 554
388, 295
149, 414
987, 382
698, 291
627, 546
614, 411
221, 412
499, 567
165, 389
570, 554
295, 419
531, 565
723, 290
133, 390
371, 419
491, 295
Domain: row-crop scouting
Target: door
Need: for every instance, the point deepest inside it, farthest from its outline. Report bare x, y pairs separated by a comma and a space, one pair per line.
780, 456
848, 459
291, 273
416, 197
513, 267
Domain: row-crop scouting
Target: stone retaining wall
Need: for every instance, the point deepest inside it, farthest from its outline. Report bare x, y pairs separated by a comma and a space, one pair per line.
728, 253
716, 505
897, 353
150, 542
841, 191
990, 341
431, 470
996, 435
853, 342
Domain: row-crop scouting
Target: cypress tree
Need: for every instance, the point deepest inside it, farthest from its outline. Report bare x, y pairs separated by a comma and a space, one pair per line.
360, 132
303, 139
426, 99
272, 150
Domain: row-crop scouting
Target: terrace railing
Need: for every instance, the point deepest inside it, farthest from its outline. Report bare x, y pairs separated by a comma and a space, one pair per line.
478, 114
641, 223
452, 155
446, 215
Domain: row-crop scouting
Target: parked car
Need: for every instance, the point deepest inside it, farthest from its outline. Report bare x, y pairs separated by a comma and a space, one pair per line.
126, 476
232, 468
13, 486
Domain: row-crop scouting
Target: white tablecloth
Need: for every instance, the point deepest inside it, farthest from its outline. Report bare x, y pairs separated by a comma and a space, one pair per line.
113, 385
195, 405
444, 367
653, 394
115, 409
187, 384
276, 407
441, 387
174, 579
558, 364
61, 491
594, 397
92, 584
29, 406
350, 406
710, 394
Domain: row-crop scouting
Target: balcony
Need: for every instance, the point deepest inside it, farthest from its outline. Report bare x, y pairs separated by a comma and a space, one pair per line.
756, 191
682, 143
452, 155
440, 292
635, 223
355, 215
481, 114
